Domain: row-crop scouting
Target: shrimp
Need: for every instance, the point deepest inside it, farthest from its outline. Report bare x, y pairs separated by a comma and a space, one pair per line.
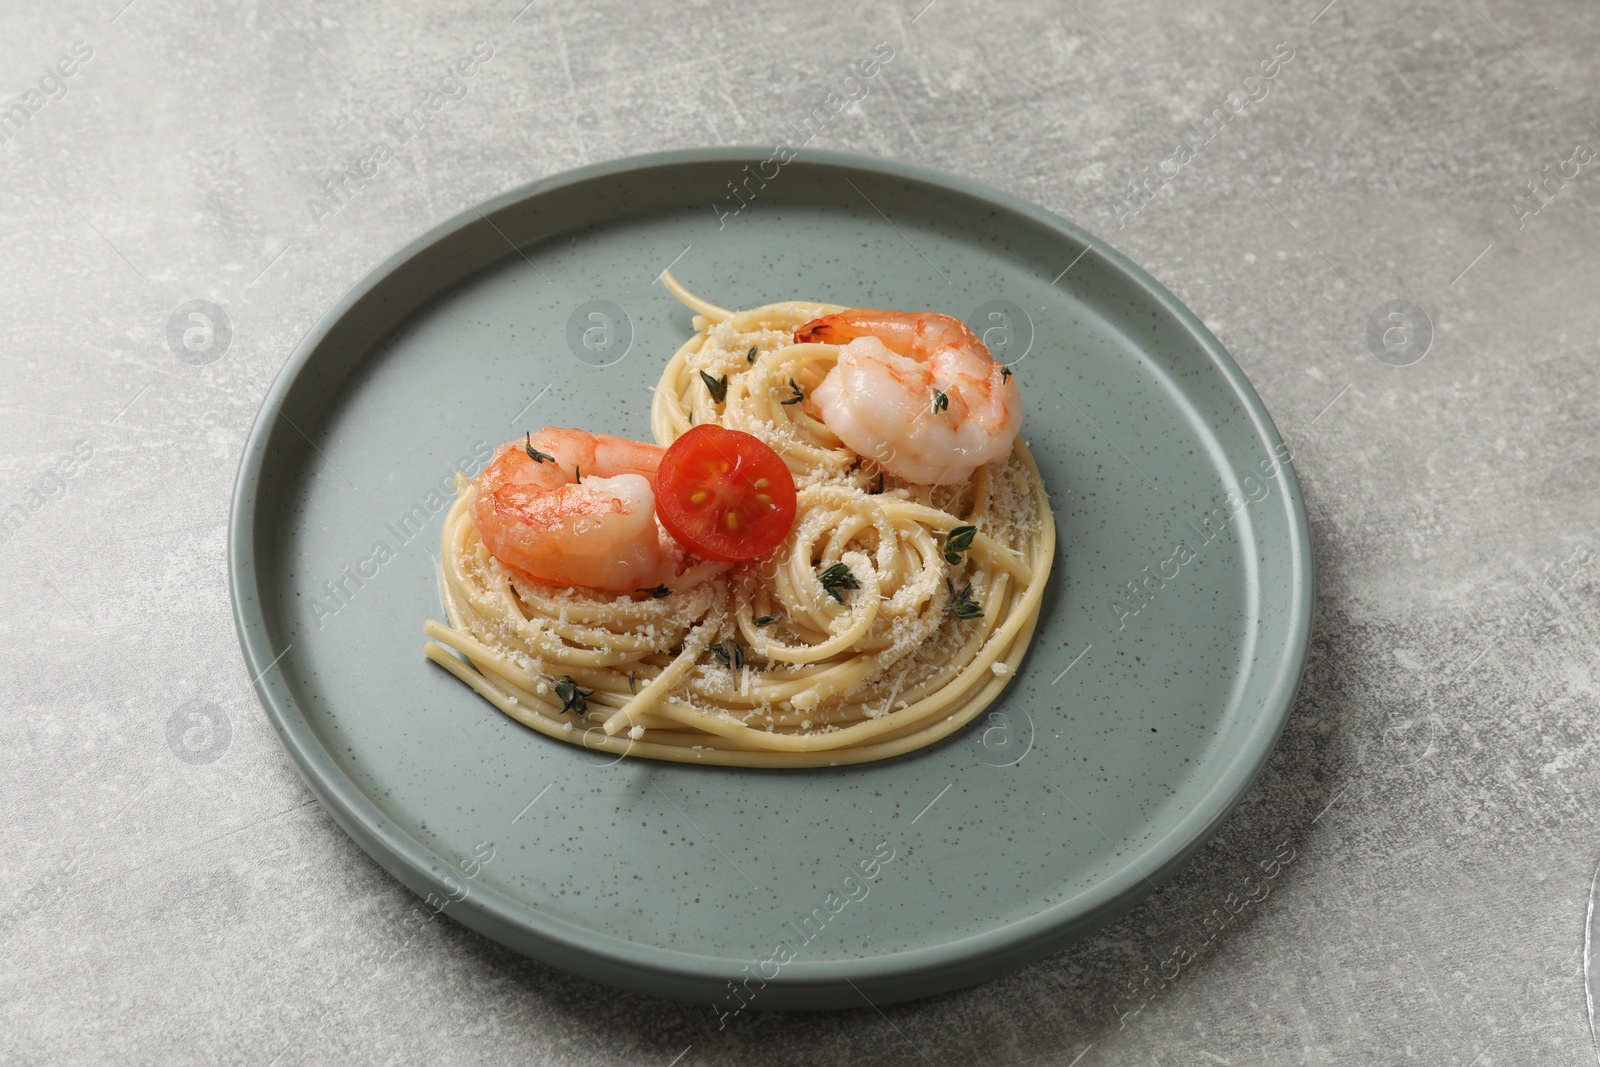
575, 508
915, 391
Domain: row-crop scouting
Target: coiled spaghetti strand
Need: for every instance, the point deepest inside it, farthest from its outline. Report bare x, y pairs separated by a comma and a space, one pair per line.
858, 671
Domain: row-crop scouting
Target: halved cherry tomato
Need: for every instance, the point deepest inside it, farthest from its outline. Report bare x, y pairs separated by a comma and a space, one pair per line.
724, 494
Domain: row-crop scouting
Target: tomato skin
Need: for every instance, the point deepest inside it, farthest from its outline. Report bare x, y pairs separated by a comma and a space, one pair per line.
724, 494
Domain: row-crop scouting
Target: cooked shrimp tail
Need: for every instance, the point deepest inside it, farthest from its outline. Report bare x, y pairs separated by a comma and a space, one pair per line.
917, 392
574, 508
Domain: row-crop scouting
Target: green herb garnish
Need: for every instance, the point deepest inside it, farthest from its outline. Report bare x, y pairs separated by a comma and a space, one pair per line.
729, 653
750, 356
957, 541
573, 695
940, 401
633, 686
962, 606
798, 396
1005, 372
658, 592
835, 578
766, 620
533, 453
717, 387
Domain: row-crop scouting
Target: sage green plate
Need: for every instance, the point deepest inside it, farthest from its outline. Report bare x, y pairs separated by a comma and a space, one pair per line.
1166, 659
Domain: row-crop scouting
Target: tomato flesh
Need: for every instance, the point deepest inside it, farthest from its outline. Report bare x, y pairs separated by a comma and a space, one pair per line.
724, 494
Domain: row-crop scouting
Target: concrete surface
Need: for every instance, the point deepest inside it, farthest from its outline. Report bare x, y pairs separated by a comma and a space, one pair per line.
1420, 851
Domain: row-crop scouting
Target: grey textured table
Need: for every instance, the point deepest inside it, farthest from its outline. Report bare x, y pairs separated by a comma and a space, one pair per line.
1407, 882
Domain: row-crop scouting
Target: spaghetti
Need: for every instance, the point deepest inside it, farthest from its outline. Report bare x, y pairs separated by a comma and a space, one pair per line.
892, 615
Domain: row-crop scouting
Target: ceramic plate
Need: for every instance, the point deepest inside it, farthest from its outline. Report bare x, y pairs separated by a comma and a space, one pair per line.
1166, 659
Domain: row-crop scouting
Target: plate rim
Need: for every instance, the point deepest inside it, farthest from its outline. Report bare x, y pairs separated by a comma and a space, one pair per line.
967, 958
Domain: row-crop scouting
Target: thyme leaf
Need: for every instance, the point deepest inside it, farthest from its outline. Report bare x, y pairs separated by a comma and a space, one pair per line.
573, 696
798, 396
940, 401
729, 653
957, 541
717, 387
533, 453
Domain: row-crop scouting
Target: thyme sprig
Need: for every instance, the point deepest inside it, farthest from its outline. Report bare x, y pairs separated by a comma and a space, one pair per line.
962, 606
838, 577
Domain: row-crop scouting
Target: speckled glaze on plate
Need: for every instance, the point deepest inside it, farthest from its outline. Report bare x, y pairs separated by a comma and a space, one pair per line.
1166, 659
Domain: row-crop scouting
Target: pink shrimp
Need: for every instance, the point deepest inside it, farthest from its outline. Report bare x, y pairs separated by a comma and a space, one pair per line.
917, 392
575, 508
